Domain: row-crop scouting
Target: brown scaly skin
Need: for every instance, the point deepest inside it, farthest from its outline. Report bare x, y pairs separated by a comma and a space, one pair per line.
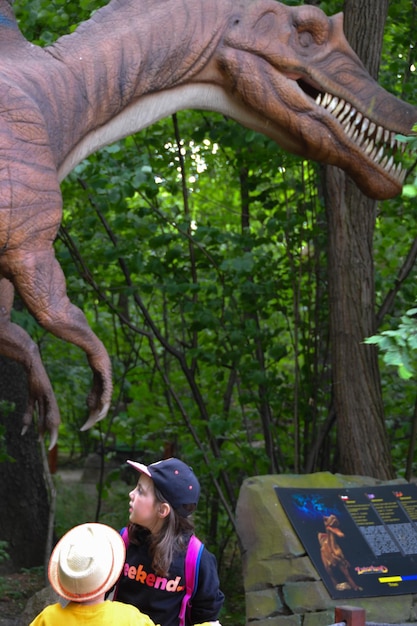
134, 62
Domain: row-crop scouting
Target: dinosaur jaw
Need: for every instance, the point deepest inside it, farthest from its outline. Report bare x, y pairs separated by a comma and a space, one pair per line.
331, 130
337, 129
366, 147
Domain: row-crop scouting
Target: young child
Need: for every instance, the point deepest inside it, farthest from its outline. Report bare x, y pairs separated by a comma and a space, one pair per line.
84, 564
160, 528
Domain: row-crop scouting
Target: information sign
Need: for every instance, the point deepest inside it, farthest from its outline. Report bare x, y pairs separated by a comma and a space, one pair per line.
362, 541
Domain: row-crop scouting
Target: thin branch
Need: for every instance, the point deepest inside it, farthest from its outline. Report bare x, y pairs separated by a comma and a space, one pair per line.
403, 274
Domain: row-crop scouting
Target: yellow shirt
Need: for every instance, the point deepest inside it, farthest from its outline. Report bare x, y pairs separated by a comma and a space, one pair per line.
103, 614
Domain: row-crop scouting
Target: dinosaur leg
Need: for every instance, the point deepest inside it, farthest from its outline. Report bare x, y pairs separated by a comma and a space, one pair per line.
41, 284
332, 577
344, 568
16, 344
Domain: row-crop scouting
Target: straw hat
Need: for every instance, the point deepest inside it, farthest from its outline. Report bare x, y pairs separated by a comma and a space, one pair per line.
86, 562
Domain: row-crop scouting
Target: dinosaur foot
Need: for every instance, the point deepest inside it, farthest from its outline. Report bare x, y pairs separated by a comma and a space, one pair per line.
43, 405
345, 586
99, 398
53, 435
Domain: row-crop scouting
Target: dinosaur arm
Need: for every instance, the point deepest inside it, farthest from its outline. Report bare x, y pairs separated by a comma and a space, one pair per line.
30, 214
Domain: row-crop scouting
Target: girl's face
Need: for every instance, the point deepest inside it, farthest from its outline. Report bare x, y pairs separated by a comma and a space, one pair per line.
144, 508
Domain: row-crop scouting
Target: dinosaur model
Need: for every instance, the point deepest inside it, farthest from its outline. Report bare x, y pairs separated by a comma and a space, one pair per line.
287, 72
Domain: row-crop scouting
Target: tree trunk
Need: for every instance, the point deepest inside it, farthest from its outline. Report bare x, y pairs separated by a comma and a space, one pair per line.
24, 500
362, 437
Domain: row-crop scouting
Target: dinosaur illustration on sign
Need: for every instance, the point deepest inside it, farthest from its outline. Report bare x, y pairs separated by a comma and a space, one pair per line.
334, 561
287, 72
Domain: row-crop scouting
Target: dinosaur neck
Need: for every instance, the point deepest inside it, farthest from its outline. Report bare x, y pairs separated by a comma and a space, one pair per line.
118, 56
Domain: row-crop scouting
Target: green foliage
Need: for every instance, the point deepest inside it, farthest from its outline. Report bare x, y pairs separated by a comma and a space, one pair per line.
410, 189
43, 21
77, 503
399, 346
203, 290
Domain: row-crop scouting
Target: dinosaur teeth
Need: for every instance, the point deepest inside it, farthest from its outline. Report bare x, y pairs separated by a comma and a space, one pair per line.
347, 110
369, 148
380, 154
379, 133
384, 163
362, 139
336, 105
333, 106
327, 99
378, 143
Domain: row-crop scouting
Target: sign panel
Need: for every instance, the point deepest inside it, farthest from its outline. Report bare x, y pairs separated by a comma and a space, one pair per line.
362, 540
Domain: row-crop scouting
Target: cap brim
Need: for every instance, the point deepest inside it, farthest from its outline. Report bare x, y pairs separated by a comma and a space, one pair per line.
143, 469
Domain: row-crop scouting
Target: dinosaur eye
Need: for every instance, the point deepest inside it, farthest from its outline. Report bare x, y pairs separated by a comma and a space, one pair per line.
306, 39
312, 27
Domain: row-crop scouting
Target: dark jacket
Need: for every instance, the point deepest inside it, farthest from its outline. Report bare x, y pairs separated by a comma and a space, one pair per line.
159, 597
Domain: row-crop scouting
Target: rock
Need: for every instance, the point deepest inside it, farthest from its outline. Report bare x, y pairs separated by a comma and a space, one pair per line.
35, 605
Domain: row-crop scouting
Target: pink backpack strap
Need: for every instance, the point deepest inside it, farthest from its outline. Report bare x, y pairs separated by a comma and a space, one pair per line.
125, 536
192, 566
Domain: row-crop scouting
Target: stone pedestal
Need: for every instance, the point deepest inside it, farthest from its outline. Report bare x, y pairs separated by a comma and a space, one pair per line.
282, 586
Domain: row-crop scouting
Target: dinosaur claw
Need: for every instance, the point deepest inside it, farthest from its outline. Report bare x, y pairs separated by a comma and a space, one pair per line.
95, 417
53, 438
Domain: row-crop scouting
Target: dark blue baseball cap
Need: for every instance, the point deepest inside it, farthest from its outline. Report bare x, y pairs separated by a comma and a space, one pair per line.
175, 480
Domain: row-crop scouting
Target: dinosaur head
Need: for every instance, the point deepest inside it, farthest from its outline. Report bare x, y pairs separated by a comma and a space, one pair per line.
331, 524
308, 91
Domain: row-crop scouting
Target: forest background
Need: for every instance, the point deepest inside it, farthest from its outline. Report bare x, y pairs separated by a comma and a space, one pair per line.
202, 256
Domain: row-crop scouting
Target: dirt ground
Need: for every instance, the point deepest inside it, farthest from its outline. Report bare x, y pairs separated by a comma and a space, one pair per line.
16, 589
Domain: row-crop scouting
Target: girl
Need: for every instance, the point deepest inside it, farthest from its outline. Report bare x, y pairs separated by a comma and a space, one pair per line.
153, 579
